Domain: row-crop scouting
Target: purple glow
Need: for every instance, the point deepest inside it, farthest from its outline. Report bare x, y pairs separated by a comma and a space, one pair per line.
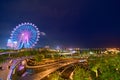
25, 36
21, 67
9, 43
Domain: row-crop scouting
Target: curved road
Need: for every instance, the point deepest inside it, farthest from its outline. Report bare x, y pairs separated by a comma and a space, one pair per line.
47, 70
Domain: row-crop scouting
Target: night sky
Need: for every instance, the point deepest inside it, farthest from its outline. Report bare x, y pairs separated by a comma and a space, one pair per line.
67, 23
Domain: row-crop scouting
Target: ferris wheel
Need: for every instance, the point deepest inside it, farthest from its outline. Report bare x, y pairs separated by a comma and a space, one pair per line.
25, 35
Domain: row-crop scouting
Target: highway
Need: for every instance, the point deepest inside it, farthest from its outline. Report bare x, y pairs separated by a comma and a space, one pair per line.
46, 70
43, 70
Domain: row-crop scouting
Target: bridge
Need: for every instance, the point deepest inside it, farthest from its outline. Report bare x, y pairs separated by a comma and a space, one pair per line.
47, 69
2, 53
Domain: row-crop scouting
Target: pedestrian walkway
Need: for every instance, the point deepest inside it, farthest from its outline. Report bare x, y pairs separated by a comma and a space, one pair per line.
4, 72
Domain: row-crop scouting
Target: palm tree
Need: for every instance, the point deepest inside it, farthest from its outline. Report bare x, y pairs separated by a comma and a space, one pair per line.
95, 69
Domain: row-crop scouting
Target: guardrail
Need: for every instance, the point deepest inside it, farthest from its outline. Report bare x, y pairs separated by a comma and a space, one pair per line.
12, 69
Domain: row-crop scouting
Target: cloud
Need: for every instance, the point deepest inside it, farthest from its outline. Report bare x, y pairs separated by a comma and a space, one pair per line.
43, 33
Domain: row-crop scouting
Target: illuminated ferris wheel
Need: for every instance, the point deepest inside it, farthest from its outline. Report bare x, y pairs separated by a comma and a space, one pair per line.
25, 35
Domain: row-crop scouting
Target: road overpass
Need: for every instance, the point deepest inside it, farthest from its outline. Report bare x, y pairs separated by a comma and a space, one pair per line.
47, 69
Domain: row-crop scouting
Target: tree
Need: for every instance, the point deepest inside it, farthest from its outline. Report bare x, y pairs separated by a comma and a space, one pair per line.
95, 69
81, 74
106, 67
55, 76
39, 57
110, 69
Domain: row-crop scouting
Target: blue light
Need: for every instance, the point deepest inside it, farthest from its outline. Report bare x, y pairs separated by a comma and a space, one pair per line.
25, 34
